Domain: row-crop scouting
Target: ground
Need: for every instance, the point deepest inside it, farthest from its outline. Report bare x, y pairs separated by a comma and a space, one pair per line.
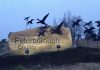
70, 59
78, 66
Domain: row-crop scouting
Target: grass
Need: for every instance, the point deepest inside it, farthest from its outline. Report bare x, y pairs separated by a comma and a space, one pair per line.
69, 56
19, 67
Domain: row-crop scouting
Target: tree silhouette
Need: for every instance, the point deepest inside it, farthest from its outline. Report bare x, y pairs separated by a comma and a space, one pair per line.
73, 22
79, 36
89, 32
76, 23
3, 41
98, 25
69, 22
75, 26
55, 23
65, 21
98, 37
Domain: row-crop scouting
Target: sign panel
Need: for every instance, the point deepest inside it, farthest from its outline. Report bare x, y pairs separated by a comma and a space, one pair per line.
29, 42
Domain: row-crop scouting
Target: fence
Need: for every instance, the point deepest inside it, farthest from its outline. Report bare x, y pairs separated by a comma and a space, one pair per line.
88, 43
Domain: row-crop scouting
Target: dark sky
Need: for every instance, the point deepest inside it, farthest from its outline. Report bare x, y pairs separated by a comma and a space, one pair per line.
12, 12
